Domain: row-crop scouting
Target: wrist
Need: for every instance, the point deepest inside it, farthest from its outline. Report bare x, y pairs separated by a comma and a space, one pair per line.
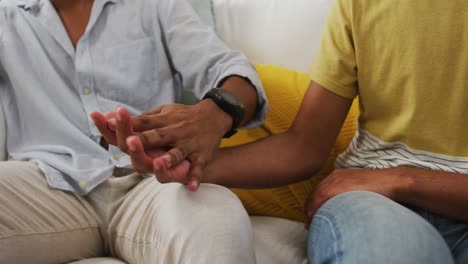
222, 120
230, 104
404, 183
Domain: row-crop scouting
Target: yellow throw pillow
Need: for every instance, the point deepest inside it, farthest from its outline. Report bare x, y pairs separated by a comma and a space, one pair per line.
285, 90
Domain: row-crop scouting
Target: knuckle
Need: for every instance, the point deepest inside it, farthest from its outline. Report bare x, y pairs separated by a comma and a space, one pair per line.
144, 138
181, 153
160, 133
175, 155
143, 120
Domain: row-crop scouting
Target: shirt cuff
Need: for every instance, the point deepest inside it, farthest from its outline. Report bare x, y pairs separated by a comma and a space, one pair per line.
248, 71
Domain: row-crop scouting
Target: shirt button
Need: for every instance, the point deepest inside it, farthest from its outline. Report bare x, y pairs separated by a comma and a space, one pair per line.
83, 184
116, 157
86, 90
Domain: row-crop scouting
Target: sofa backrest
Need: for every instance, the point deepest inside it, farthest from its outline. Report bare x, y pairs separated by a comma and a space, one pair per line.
280, 32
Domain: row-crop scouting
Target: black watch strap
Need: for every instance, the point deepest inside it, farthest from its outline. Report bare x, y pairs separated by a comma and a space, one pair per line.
229, 103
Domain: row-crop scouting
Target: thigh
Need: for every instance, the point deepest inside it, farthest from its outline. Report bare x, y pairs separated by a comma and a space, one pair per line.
460, 249
454, 232
39, 224
364, 227
166, 223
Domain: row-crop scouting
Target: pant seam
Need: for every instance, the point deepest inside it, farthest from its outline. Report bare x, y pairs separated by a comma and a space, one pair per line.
48, 232
117, 235
335, 237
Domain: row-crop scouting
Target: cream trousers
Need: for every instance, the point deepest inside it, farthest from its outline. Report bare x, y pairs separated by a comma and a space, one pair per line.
132, 218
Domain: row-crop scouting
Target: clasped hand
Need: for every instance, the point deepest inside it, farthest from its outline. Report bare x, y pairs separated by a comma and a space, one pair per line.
175, 141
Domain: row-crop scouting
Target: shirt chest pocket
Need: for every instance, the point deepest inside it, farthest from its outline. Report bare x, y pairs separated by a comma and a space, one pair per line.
131, 71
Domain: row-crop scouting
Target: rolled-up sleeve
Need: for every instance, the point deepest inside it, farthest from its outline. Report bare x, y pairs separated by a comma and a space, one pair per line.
200, 57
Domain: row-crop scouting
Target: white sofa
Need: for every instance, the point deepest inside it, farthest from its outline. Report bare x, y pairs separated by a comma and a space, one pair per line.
279, 32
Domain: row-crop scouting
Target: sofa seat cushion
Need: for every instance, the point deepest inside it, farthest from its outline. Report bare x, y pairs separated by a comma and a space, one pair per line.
279, 241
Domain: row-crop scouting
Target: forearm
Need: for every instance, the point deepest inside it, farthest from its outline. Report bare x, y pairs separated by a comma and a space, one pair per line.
274, 161
288, 157
439, 192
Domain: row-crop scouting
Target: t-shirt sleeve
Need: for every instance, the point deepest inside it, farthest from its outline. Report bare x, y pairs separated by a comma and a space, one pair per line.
335, 66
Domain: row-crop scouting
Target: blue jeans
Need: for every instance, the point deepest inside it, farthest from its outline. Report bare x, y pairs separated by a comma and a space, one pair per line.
364, 227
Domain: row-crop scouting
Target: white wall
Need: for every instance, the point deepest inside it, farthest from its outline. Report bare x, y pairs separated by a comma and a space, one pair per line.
281, 32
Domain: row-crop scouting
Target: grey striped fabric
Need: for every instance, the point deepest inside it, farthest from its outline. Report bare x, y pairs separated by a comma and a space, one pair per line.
368, 151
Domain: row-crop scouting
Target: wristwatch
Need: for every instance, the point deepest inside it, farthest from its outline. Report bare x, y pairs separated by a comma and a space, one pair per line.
229, 103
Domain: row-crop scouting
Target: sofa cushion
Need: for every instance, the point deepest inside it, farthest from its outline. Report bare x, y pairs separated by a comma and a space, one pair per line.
279, 241
280, 32
285, 89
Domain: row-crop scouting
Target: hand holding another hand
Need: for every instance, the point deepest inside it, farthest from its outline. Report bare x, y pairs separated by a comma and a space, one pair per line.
175, 142
117, 129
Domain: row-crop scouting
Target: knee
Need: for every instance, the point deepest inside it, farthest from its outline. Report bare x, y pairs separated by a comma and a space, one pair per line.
358, 207
212, 206
213, 217
357, 213
365, 227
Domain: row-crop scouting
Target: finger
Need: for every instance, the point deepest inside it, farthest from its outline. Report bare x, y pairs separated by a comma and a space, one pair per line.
111, 114
156, 138
315, 202
140, 161
173, 157
178, 173
101, 123
196, 173
111, 120
309, 217
146, 122
124, 129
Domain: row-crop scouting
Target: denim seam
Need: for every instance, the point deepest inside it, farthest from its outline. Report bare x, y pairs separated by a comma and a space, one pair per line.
335, 239
459, 242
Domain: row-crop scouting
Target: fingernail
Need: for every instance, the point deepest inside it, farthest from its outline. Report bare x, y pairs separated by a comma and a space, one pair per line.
131, 146
112, 121
167, 159
194, 185
155, 166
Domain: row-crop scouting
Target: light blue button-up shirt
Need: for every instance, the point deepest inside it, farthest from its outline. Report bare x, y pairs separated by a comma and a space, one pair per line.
135, 53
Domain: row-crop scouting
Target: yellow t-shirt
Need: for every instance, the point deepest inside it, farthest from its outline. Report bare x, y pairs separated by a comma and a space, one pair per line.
408, 62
